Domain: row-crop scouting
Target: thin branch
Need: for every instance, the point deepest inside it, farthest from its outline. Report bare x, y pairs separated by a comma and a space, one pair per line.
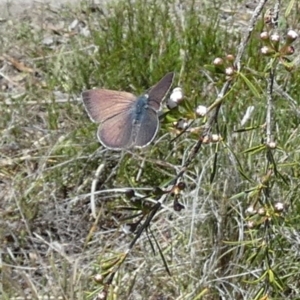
252, 23
270, 117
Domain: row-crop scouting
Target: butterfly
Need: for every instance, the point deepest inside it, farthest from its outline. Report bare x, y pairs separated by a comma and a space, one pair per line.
126, 121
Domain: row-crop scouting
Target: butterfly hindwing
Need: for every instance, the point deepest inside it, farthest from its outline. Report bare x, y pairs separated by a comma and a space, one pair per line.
116, 132
145, 131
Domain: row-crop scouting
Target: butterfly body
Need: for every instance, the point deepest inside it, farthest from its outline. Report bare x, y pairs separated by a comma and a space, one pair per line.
126, 121
139, 108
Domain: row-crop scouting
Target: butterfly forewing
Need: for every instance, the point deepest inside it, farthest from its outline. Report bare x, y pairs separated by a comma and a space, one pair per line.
159, 91
102, 104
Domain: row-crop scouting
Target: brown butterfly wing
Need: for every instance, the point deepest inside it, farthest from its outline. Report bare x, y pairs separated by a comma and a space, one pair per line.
143, 135
158, 92
103, 104
116, 132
